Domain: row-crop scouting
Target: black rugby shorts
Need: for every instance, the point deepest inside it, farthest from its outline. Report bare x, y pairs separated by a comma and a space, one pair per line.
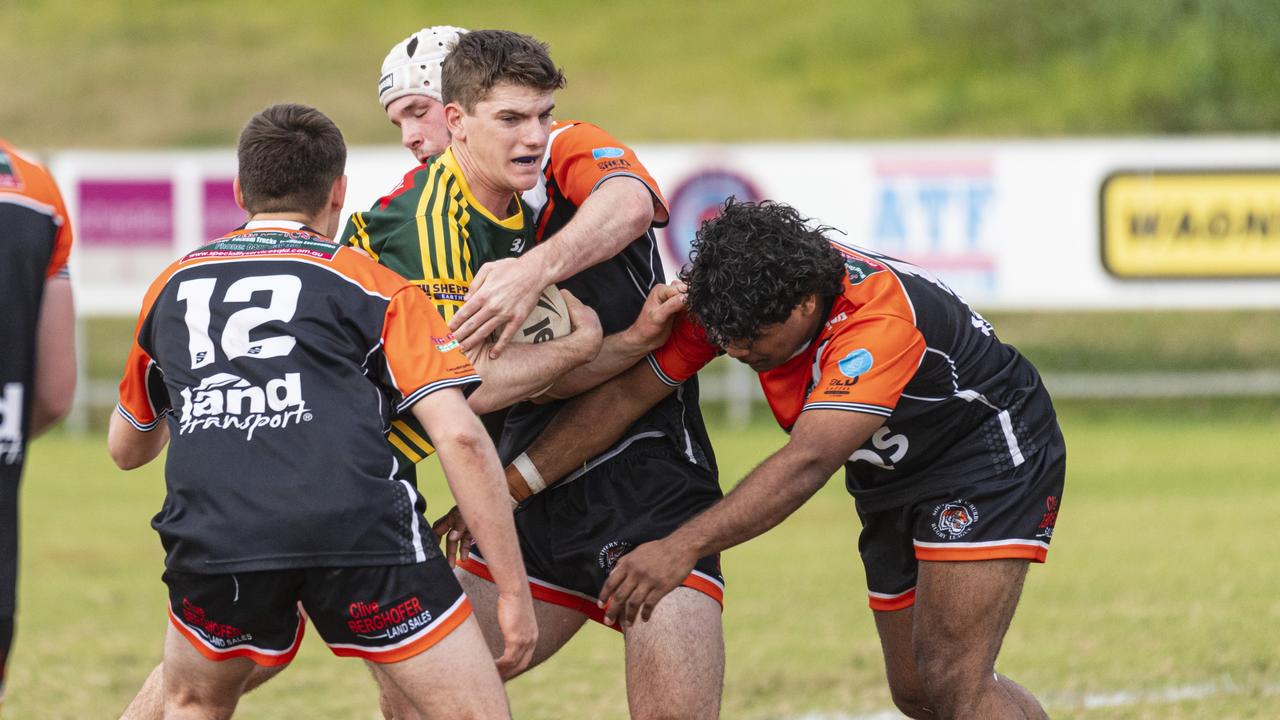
573, 533
1010, 515
383, 614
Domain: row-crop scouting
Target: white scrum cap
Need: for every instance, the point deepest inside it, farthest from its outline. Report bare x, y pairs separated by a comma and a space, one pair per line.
413, 65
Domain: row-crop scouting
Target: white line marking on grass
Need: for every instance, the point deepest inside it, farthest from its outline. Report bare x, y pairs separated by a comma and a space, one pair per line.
1092, 701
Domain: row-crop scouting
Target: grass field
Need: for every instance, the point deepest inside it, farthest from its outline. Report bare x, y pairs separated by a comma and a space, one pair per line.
1159, 578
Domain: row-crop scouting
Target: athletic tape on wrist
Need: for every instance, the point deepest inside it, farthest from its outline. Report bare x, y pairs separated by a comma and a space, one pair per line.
529, 472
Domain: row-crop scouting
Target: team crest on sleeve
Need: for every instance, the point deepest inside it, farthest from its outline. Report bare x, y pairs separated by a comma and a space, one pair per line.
856, 363
953, 520
9, 179
860, 269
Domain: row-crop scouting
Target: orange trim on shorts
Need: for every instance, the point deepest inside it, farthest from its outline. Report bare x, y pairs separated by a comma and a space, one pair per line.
434, 633
960, 553
704, 586
259, 658
544, 591
890, 604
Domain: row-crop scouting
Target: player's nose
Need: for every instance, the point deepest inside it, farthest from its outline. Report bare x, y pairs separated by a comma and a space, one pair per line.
535, 135
410, 138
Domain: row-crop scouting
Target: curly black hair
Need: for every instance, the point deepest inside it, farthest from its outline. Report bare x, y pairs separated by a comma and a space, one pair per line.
753, 264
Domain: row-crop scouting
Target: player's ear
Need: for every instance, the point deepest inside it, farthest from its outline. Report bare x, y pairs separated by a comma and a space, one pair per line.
453, 120
338, 193
235, 188
809, 305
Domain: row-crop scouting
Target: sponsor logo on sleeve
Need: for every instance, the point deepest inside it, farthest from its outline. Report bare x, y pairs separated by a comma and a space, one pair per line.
856, 363
840, 386
444, 344
225, 401
9, 179
601, 153
953, 520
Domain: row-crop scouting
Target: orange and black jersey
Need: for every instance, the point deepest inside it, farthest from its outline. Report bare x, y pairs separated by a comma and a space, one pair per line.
35, 242
960, 405
579, 158
277, 359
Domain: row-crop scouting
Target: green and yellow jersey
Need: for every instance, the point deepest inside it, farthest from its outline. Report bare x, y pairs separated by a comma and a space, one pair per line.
433, 232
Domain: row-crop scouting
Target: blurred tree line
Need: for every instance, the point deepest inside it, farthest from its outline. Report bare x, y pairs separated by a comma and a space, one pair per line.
154, 73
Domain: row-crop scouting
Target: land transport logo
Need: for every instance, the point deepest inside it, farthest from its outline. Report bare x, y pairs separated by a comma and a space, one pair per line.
225, 401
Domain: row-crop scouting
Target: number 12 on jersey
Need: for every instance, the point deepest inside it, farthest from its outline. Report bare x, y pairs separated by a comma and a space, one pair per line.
283, 303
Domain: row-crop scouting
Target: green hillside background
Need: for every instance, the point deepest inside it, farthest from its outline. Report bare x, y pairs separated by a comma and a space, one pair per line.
157, 73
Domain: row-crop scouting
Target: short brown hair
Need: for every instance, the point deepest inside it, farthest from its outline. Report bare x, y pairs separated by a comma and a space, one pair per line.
482, 59
289, 157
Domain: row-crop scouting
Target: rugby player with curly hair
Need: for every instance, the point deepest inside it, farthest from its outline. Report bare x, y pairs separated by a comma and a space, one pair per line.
949, 441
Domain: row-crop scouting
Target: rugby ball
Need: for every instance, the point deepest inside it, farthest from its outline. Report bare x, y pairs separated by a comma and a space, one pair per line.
548, 320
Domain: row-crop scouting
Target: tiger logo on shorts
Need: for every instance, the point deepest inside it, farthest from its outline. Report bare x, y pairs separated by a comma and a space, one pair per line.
610, 554
954, 519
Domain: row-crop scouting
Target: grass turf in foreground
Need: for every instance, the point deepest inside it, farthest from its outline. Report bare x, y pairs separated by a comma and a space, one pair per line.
1157, 579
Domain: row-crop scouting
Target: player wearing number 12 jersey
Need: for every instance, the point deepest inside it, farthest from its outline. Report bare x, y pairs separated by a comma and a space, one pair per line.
274, 359
949, 440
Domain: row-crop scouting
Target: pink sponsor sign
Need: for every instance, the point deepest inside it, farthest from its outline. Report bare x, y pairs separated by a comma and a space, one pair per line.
221, 214
129, 213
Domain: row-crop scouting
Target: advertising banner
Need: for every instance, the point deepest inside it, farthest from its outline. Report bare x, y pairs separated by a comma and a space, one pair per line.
1055, 224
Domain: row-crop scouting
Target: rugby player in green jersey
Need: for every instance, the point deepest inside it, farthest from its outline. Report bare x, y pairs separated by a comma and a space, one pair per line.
595, 206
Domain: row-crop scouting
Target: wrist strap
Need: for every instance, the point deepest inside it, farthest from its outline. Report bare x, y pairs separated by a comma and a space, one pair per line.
529, 472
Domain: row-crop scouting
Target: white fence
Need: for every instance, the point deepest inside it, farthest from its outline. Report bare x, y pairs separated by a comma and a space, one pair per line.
1069, 224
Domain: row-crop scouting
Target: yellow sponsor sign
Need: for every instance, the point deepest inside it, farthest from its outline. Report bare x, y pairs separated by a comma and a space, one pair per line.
1192, 223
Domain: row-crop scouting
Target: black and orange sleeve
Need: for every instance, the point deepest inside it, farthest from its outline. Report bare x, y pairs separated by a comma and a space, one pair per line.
584, 156
62, 240
421, 354
686, 352
866, 366
144, 400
